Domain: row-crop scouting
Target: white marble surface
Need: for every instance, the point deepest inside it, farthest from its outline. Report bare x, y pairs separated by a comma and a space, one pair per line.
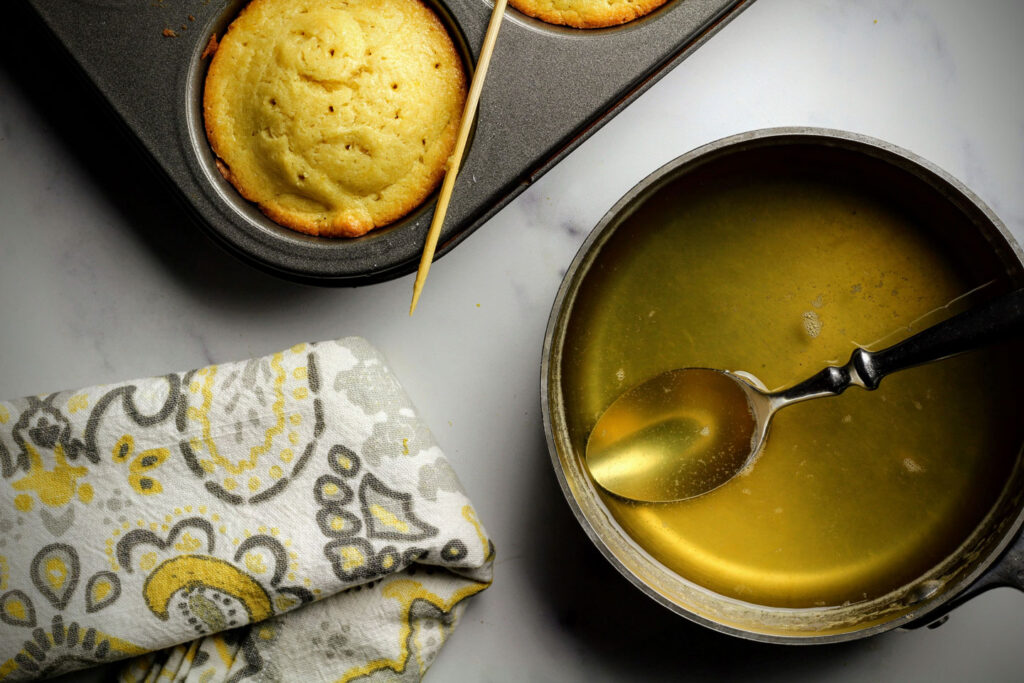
102, 278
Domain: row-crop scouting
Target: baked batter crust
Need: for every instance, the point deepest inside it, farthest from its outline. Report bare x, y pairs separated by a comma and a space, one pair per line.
587, 13
334, 117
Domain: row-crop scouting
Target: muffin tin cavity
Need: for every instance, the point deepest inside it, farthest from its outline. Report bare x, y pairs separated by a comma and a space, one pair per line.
275, 242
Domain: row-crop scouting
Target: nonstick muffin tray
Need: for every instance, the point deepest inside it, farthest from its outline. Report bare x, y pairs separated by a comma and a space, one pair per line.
548, 88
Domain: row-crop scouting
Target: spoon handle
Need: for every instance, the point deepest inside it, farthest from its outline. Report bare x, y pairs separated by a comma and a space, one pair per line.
1001, 318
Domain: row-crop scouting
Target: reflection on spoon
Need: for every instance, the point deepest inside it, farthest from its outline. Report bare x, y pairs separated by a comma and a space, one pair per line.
676, 436
686, 432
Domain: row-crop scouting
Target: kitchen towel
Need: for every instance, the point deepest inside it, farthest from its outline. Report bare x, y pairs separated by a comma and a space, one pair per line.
282, 518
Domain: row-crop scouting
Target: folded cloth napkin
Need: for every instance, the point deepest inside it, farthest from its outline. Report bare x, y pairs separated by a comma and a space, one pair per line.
181, 519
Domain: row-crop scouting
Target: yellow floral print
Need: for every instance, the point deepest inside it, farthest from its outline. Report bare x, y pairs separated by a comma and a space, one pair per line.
53, 487
140, 470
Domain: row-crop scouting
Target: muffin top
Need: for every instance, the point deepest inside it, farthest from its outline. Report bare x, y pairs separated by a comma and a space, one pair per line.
586, 13
334, 117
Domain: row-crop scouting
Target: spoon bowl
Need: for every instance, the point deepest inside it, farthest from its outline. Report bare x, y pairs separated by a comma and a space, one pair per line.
678, 435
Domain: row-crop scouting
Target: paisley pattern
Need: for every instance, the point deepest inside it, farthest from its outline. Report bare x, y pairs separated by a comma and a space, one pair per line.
16, 609
54, 571
385, 630
103, 590
187, 516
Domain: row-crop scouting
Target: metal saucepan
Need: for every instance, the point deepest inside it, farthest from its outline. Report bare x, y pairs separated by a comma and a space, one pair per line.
993, 555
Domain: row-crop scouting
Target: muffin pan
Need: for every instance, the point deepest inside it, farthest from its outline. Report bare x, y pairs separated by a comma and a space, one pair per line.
548, 88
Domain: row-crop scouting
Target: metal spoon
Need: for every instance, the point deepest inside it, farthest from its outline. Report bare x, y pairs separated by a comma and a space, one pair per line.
686, 432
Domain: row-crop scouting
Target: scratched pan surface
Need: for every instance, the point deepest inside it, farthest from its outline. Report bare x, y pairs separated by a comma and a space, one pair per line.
548, 88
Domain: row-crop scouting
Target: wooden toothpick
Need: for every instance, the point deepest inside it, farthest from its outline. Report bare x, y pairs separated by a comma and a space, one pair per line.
455, 161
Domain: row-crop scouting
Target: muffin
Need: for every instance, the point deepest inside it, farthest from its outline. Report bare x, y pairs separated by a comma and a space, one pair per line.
335, 118
586, 13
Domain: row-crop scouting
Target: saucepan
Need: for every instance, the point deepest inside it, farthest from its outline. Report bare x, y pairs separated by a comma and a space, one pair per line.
985, 549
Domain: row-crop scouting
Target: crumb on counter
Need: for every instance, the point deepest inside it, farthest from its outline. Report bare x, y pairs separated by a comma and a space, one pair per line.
169, 33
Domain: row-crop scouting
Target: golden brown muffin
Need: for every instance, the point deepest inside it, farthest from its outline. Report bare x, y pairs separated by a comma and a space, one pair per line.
587, 13
334, 117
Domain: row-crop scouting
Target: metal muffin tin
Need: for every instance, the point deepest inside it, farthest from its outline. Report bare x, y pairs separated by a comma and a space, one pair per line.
548, 88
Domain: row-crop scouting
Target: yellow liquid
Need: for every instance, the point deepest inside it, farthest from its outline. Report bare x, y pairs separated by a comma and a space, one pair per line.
852, 496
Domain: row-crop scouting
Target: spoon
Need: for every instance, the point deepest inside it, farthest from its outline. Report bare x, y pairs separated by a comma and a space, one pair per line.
686, 432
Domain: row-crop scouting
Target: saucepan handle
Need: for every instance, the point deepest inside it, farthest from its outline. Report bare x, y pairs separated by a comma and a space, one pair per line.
1007, 571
